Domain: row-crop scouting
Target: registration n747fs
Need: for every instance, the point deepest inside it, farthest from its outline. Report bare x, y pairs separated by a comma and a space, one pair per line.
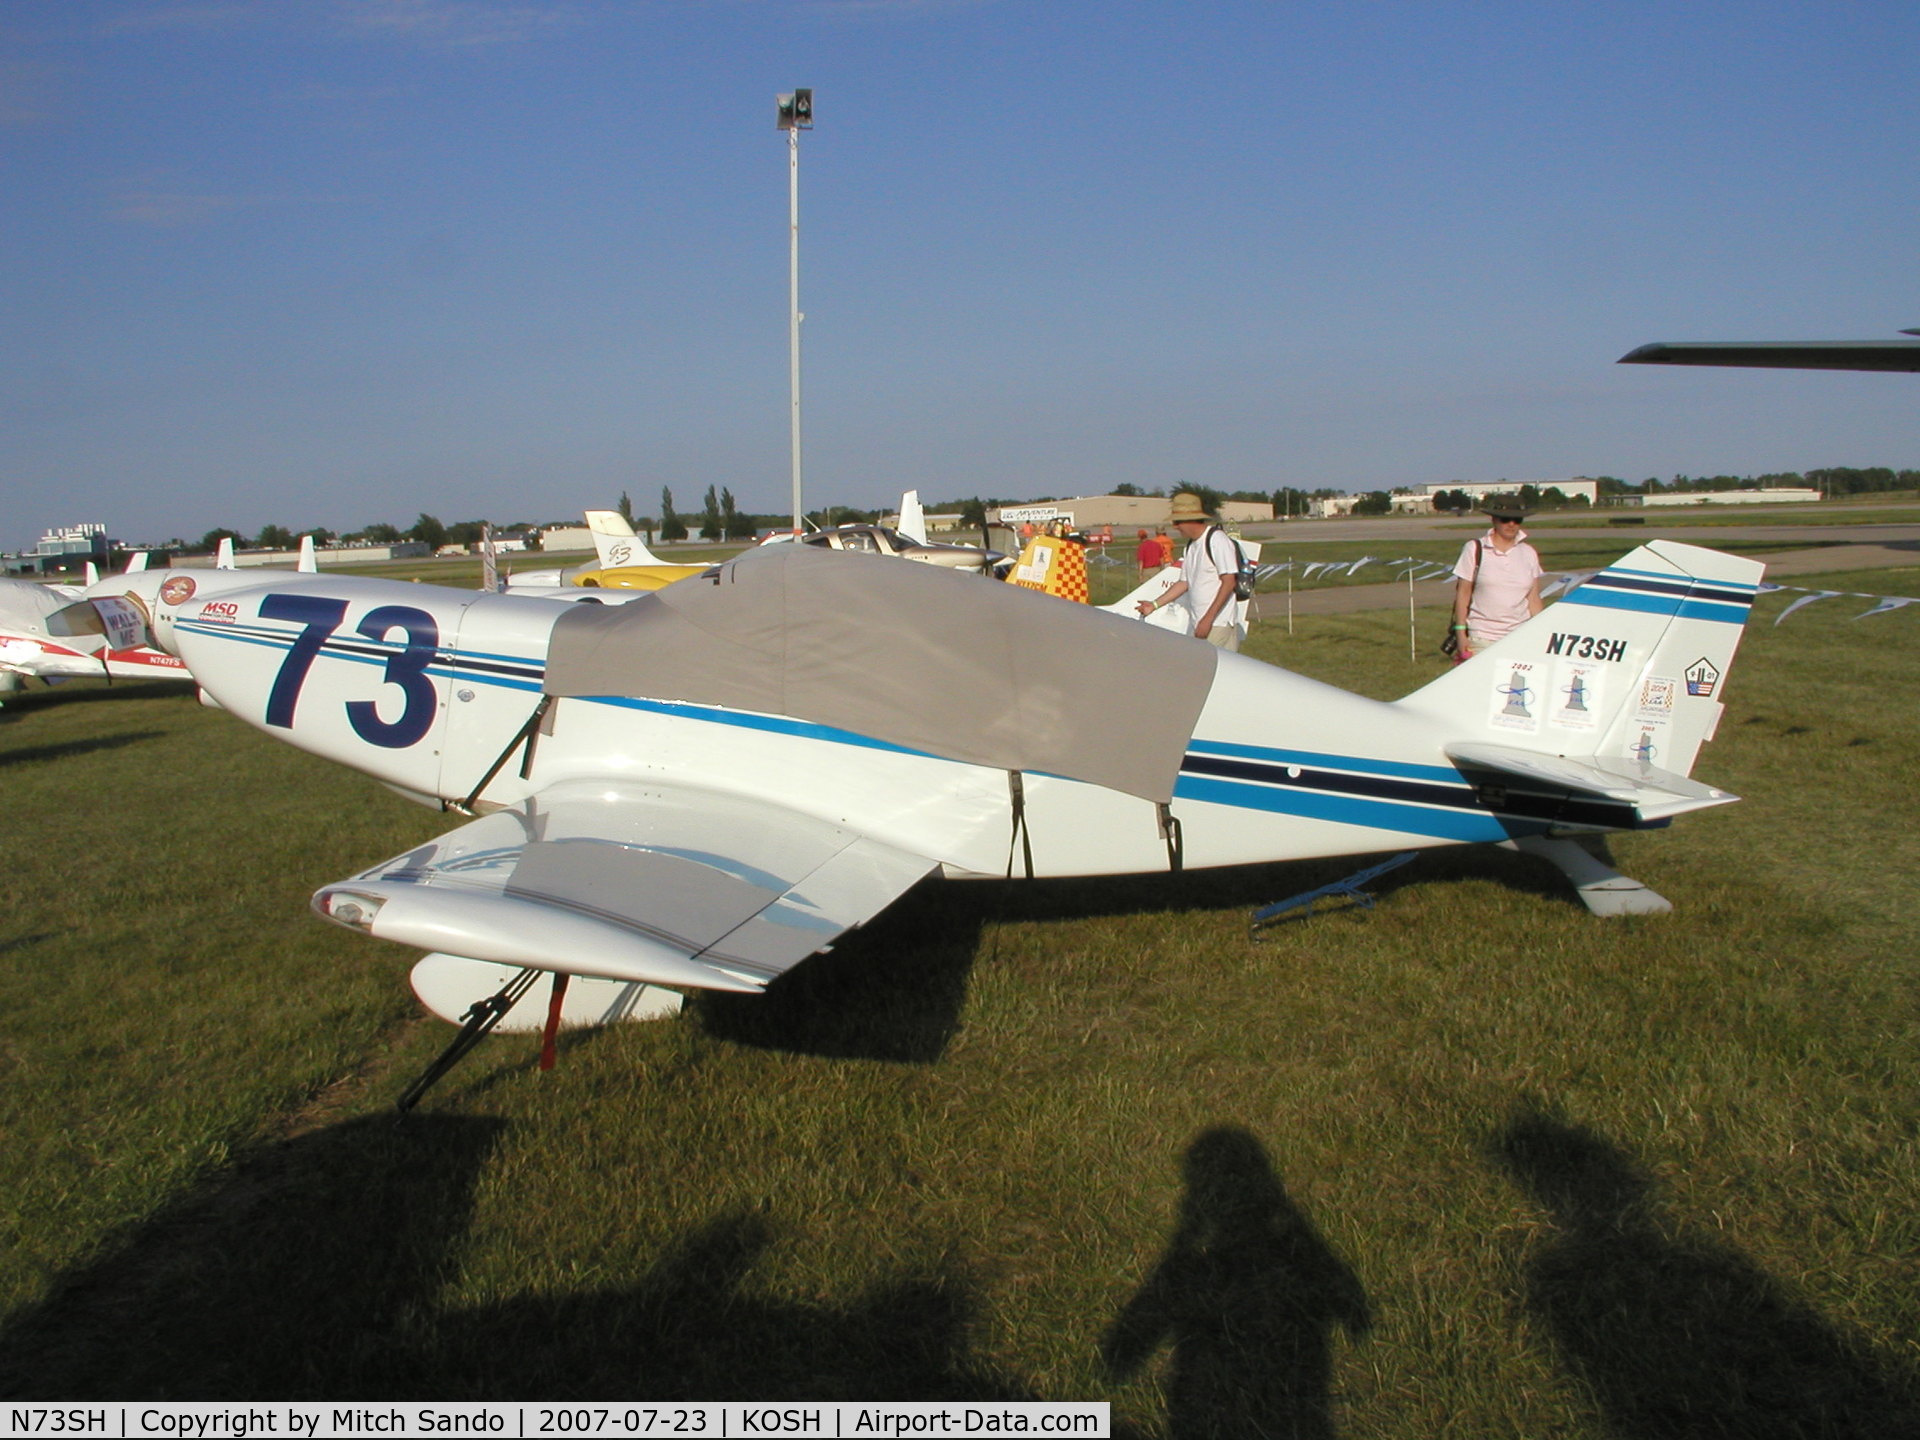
705, 786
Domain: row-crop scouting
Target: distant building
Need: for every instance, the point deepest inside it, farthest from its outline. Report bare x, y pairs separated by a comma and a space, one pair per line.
1478, 490
1121, 513
65, 549
566, 537
1780, 496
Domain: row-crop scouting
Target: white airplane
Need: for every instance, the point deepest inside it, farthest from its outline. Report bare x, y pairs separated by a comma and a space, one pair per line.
28, 648
703, 787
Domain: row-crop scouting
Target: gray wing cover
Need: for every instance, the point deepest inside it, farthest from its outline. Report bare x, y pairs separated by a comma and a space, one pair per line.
951, 665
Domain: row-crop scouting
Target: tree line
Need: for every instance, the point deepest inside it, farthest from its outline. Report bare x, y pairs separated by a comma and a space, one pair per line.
720, 518
1835, 480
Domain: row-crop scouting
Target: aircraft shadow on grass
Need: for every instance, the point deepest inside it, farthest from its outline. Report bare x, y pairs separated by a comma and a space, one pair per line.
1248, 1297
34, 754
90, 692
895, 990
1674, 1334
311, 1269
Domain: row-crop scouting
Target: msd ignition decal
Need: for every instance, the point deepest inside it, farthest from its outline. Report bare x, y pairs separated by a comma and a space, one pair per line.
218, 612
177, 591
1702, 678
1587, 647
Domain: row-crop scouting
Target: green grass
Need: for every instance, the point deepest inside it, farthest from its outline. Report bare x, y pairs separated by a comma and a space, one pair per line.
1471, 1162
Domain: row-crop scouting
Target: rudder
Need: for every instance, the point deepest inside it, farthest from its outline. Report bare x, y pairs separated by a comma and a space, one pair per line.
1627, 666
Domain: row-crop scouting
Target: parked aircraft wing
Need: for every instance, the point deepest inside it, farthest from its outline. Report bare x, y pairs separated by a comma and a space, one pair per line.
635, 881
1783, 355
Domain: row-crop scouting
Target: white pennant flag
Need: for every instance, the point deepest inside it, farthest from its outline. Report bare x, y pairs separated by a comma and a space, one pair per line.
1888, 602
1805, 600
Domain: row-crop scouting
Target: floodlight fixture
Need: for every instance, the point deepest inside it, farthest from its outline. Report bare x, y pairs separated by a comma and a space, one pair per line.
796, 110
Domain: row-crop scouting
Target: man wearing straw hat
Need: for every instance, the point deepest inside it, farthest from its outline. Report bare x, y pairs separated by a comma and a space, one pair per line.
1497, 581
1207, 574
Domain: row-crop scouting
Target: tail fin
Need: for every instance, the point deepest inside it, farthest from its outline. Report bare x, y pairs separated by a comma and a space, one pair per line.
913, 517
223, 557
615, 541
1618, 682
309, 561
1169, 617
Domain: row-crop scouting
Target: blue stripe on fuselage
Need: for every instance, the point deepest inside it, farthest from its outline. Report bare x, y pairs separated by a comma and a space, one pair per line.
1641, 602
1466, 825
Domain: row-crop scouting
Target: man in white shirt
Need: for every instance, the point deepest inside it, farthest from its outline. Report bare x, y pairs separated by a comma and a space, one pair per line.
1208, 572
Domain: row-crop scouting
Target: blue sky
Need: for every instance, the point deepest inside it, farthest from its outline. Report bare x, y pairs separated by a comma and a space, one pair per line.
327, 262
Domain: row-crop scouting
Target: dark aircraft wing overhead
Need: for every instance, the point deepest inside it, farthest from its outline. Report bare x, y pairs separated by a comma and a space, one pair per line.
1783, 354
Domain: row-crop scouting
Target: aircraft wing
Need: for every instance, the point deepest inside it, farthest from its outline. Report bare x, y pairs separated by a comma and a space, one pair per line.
633, 880
1783, 354
1654, 794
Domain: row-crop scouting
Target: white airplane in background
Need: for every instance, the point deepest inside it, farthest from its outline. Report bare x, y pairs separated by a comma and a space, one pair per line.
703, 787
28, 649
904, 541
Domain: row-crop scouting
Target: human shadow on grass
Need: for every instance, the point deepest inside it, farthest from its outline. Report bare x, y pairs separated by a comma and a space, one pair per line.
34, 754
1676, 1334
1248, 1296
291, 1273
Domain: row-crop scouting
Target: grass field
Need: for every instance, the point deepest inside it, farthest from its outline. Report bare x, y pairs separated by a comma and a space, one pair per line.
1111, 578
1469, 1163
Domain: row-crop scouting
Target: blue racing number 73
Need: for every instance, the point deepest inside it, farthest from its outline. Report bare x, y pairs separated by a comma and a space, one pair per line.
318, 618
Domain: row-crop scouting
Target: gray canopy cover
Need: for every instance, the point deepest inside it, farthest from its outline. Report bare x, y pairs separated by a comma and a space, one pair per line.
918, 656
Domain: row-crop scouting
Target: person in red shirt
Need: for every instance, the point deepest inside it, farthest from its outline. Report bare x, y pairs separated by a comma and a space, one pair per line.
1149, 555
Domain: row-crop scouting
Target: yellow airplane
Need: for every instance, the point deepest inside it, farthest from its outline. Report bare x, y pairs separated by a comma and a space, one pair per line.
623, 563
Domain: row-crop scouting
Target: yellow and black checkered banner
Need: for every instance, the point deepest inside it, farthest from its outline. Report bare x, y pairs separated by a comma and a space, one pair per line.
1053, 565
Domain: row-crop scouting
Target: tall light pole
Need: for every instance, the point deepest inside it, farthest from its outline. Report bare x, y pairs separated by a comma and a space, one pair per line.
796, 114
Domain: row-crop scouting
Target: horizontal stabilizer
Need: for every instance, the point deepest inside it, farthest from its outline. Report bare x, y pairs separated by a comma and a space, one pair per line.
1655, 794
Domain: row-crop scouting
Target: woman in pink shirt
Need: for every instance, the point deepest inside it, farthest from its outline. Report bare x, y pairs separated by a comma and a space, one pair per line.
1497, 582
